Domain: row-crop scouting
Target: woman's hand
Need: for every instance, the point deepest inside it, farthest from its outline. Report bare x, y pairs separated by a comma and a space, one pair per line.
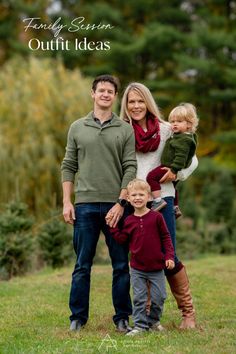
114, 215
169, 176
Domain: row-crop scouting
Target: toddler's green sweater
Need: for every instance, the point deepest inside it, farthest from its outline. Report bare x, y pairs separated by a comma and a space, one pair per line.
179, 150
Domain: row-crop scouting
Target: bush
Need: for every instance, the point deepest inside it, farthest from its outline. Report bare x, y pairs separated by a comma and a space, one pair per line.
54, 239
207, 237
187, 201
218, 197
16, 240
189, 244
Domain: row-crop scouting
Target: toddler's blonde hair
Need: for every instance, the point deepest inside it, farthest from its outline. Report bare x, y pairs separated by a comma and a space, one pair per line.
187, 112
138, 184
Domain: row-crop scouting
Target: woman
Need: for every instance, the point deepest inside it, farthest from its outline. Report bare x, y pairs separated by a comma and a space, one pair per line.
151, 132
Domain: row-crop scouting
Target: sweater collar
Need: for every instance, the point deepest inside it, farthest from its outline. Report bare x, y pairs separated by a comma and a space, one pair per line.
115, 121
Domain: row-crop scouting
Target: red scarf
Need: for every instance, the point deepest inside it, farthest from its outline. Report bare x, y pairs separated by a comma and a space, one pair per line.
149, 140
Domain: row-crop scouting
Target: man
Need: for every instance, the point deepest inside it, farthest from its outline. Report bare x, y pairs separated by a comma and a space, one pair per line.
101, 148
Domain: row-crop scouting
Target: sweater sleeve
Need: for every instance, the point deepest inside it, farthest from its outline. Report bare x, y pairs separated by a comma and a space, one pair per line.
165, 238
181, 154
69, 165
129, 162
183, 174
121, 236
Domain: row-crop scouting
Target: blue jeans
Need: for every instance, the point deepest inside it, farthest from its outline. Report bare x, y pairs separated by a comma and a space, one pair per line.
169, 216
90, 220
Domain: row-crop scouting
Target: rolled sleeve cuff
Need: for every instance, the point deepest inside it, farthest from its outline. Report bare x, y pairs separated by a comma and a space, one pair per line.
67, 176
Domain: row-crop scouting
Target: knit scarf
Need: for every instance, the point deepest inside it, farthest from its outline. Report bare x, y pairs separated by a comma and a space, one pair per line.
149, 140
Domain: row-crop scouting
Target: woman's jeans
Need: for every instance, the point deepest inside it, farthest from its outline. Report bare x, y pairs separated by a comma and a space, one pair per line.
90, 221
169, 216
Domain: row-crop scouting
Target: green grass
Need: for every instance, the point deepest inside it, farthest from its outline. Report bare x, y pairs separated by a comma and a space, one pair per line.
34, 314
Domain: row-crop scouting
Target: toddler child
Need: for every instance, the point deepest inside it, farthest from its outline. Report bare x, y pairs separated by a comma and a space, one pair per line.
151, 251
178, 151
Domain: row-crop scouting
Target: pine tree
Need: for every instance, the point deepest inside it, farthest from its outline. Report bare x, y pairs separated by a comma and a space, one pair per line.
16, 239
54, 241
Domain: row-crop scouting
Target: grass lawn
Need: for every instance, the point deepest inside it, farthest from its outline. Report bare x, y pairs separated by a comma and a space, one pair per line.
34, 314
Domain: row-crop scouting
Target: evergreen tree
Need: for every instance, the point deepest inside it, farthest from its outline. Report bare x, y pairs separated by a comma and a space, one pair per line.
218, 197
16, 240
182, 50
226, 142
13, 37
224, 202
54, 240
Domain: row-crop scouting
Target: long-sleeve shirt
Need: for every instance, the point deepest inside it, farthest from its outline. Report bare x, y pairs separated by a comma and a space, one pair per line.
149, 240
103, 156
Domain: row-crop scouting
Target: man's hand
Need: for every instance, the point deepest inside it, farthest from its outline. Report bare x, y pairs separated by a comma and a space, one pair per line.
169, 176
114, 215
69, 213
170, 264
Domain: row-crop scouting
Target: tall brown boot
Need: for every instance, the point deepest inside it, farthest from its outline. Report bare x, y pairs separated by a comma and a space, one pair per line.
179, 285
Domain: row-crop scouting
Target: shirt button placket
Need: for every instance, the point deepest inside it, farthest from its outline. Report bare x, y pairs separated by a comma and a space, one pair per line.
141, 225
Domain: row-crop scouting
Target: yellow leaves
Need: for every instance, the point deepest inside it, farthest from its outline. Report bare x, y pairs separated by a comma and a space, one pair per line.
206, 147
38, 101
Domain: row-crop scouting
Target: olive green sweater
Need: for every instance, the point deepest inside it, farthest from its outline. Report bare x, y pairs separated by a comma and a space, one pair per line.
179, 150
103, 156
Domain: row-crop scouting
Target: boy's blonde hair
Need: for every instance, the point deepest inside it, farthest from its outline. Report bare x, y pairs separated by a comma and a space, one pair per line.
138, 184
187, 112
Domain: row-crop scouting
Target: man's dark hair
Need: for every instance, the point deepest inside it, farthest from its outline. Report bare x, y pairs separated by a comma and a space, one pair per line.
105, 78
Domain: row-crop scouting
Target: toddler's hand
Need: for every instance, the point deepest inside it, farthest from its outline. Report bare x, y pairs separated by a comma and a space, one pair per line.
170, 264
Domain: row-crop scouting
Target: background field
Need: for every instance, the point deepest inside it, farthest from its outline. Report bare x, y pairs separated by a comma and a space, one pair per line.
34, 314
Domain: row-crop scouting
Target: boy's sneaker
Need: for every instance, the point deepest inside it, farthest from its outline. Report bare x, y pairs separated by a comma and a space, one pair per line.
157, 327
136, 331
156, 206
177, 211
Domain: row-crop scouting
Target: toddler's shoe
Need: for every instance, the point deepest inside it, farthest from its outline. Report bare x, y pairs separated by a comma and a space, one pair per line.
157, 327
177, 212
156, 206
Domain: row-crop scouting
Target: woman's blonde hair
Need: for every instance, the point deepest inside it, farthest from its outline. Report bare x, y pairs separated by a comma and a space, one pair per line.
138, 183
187, 112
152, 108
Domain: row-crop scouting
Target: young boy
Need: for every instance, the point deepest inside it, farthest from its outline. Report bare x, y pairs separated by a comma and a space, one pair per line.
151, 251
178, 151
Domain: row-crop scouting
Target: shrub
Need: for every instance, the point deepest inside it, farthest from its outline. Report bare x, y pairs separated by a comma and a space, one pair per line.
16, 240
54, 239
187, 201
188, 244
218, 197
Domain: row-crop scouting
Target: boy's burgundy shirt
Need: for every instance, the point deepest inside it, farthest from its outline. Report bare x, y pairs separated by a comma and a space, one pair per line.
149, 241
